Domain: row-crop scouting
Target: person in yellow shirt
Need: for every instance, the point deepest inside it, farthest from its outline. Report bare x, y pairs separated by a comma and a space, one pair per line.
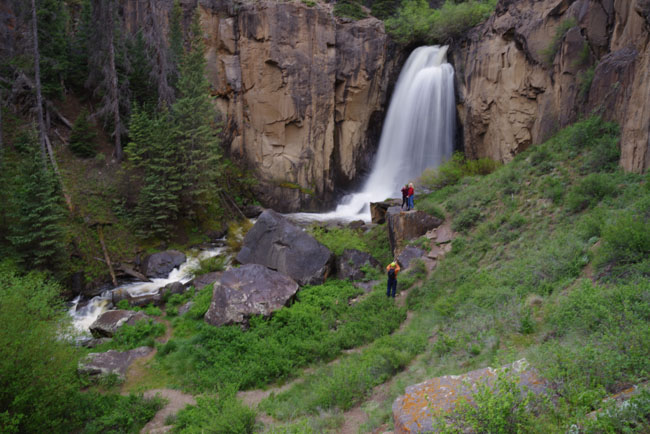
392, 269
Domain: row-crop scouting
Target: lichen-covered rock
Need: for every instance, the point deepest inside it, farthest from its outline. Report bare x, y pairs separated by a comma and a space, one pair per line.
109, 322
414, 411
112, 361
249, 290
278, 244
154, 297
348, 265
160, 264
408, 225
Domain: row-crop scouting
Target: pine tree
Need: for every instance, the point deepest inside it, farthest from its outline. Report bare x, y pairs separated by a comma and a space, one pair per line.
79, 50
195, 128
53, 20
36, 210
143, 91
82, 138
153, 152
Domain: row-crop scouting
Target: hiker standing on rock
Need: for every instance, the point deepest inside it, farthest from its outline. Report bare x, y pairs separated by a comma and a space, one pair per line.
392, 270
411, 192
405, 194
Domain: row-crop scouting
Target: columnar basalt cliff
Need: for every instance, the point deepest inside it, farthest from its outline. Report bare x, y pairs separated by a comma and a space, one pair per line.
515, 89
301, 92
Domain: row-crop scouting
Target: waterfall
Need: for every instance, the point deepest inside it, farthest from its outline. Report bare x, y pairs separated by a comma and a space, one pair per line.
418, 133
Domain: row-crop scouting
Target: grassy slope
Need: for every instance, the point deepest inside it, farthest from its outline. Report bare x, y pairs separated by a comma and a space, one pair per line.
551, 264
519, 283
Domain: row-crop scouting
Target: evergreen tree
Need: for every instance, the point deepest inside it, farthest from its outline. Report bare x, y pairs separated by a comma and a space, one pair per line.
78, 64
195, 128
82, 138
53, 20
153, 152
142, 89
35, 211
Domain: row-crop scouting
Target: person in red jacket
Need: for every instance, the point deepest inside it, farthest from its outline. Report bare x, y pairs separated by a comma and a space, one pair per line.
411, 192
392, 269
405, 194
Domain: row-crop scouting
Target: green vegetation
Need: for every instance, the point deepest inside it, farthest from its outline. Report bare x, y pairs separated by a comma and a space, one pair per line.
417, 22
82, 137
209, 265
349, 9
316, 328
221, 415
337, 240
39, 386
458, 167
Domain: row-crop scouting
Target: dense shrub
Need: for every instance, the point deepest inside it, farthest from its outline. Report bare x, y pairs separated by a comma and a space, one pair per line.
142, 333
38, 383
417, 22
626, 239
589, 191
221, 415
349, 9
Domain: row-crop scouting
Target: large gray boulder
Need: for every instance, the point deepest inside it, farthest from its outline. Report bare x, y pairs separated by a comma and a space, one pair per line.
422, 403
349, 264
409, 254
161, 263
278, 244
111, 362
249, 290
200, 282
154, 297
407, 225
111, 321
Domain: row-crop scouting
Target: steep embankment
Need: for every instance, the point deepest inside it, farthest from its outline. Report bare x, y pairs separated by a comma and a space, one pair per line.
537, 66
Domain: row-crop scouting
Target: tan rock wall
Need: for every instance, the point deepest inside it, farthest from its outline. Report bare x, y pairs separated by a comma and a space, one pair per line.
512, 97
298, 90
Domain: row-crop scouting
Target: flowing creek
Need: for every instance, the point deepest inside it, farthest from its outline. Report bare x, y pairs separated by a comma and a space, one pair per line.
84, 316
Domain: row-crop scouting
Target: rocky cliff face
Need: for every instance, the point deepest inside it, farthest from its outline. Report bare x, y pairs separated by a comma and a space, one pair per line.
515, 91
301, 93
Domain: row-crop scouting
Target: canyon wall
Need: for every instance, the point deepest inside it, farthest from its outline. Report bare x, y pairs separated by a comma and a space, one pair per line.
302, 94
515, 88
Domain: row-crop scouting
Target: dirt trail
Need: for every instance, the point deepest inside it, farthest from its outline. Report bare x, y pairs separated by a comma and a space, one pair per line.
176, 401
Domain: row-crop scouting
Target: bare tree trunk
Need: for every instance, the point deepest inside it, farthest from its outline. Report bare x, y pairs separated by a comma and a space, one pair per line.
100, 233
37, 77
113, 89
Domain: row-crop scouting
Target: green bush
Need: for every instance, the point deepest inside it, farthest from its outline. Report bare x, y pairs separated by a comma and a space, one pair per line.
349, 9
585, 78
626, 417
452, 171
142, 333
221, 415
626, 240
553, 189
38, 385
417, 22
498, 408
466, 220
589, 191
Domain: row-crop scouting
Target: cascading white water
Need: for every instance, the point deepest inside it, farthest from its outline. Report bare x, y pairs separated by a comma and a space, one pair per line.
418, 133
83, 317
